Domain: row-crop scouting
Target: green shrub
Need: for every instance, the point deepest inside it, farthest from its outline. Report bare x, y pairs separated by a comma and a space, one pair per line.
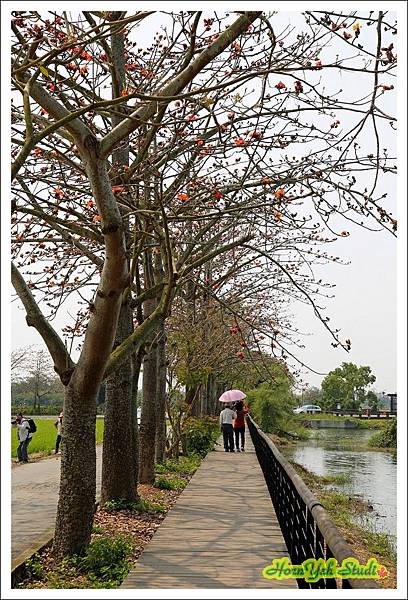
387, 438
170, 483
97, 529
141, 506
106, 559
146, 506
200, 434
185, 465
121, 504
34, 567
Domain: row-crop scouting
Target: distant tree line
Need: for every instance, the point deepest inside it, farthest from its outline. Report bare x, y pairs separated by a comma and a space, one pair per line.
346, 386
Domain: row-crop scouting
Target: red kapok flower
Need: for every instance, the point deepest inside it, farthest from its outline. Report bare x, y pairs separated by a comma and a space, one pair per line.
239, 141
86, 56
280, 86
218, 195
97, 219
37, 152
279, 193
58, 193
183, 197
116, 189
90, 204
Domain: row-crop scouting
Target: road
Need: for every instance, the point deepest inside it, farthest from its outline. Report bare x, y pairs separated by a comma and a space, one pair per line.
34, 497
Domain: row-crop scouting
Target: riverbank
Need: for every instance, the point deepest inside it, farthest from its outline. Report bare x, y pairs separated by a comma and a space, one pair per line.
344, 509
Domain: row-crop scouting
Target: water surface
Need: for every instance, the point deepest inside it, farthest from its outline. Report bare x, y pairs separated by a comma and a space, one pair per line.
372, 474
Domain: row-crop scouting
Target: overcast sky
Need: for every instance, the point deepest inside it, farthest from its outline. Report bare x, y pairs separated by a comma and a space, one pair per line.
364, 307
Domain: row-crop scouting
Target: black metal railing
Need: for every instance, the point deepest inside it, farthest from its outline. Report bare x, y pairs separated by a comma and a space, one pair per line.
306, 527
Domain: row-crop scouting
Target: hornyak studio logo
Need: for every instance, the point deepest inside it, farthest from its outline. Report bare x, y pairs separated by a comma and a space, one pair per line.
312, 569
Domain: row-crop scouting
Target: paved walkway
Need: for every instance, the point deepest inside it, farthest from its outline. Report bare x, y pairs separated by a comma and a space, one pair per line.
221, 533
34, 498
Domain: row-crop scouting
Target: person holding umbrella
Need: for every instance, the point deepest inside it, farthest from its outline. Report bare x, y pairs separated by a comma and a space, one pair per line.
227, 417
239, 424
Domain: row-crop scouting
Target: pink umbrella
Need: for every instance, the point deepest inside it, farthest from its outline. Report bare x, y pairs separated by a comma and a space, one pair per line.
232, 396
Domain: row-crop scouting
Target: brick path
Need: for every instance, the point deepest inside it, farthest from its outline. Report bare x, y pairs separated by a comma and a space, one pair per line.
221, 533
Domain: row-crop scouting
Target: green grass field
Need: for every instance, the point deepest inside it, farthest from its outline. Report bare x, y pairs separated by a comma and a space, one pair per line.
43, 441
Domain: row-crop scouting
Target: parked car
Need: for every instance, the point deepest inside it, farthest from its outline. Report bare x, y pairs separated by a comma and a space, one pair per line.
308, 408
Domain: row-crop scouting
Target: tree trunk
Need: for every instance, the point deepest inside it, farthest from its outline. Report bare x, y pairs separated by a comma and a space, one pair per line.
119, 478
205, 403
136, 364
76, 504
147, 432
161, 397
190, 394
192, 399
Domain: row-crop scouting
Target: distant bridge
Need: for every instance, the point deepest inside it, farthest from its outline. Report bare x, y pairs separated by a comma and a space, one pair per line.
363, 414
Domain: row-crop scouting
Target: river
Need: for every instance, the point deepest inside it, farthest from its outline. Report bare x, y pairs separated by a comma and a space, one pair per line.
372, 475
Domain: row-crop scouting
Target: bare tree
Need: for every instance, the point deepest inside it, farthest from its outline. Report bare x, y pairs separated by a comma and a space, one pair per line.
18, 360
44, 55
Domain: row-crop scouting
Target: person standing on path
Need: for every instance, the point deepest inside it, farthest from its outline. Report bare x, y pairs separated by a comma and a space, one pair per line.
239, 425
24, 437
59, 426
227, 417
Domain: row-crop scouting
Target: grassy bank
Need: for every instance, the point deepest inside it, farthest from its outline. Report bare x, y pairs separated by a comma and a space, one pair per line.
343, 508
43, 441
